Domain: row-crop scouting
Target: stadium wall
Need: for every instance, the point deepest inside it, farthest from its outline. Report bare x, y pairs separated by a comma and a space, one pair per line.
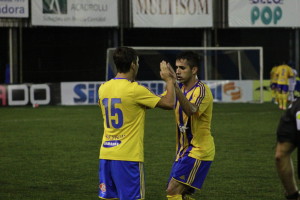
86, 93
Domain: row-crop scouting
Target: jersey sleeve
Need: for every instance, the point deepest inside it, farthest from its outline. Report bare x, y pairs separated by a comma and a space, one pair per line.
163, 94
201, 98
145, 97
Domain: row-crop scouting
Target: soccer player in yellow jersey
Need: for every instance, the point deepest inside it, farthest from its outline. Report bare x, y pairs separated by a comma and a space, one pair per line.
195, 149
123, 104
283, 73
273, 84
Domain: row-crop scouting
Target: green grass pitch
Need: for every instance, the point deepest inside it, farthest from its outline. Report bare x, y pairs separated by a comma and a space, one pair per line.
52, 153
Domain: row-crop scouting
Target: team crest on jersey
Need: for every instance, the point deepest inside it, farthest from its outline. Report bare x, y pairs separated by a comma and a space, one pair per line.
102, 187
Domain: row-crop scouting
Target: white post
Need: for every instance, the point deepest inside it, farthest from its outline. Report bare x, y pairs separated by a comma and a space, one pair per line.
261, 75
297, 43
239, 65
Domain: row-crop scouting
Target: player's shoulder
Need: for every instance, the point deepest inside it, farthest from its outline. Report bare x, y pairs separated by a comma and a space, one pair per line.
131, 86
108, 83
203, 89
139, 85
142, 87
117, 83
104, 84
286, 67
279, 67
202, 85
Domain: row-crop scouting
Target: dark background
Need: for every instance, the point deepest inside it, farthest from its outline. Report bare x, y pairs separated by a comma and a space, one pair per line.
55, 54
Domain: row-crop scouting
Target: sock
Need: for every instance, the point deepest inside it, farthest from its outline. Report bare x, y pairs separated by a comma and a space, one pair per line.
280, 102
277, 96
273, 93
174, 197
284, 100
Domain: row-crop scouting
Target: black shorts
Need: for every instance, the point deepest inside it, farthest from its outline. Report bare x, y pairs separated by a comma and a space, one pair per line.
290, 137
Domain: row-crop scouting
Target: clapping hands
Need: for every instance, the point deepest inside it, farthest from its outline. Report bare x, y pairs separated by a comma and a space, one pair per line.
166, 72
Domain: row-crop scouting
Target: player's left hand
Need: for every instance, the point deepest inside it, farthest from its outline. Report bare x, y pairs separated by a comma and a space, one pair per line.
164, 71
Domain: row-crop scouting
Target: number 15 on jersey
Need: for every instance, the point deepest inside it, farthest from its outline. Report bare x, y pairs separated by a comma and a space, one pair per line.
112, 111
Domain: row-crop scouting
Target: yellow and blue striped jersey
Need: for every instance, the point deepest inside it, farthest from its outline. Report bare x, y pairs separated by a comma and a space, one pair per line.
273, 75
123, 104
193, 133
283, 73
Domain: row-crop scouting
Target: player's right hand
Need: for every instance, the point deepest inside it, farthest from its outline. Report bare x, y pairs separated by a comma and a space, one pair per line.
171, 71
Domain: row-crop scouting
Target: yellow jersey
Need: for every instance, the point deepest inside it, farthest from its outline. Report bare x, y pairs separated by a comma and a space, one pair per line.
283, 73
123, 104
193, 134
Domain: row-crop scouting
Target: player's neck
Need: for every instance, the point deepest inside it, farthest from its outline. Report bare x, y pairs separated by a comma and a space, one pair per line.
127, 75
189, 84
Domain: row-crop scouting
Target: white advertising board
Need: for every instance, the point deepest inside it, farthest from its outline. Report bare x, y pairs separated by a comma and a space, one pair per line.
172, 13
231, 91
264, 13
86, 93
14, 8
79, 93
75, 13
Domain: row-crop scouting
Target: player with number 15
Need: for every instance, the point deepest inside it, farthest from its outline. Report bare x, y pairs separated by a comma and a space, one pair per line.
123, 104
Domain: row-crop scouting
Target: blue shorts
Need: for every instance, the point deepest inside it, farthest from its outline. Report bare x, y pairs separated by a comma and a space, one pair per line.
273, 86
122, 180
283, 88
190, 171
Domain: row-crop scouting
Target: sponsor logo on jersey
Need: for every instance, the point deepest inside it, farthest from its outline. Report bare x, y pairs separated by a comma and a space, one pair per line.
111, 143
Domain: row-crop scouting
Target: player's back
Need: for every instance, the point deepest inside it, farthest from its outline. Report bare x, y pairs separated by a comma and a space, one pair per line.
284, 72
116, 88
123, 104
117, 102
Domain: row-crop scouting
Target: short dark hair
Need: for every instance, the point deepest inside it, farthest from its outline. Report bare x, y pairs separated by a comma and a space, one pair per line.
123, 57
191, 57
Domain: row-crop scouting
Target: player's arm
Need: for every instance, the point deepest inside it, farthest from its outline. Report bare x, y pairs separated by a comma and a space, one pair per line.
187, 107
167, 101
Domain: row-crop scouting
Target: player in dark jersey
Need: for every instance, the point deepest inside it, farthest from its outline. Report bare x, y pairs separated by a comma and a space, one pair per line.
287, 141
